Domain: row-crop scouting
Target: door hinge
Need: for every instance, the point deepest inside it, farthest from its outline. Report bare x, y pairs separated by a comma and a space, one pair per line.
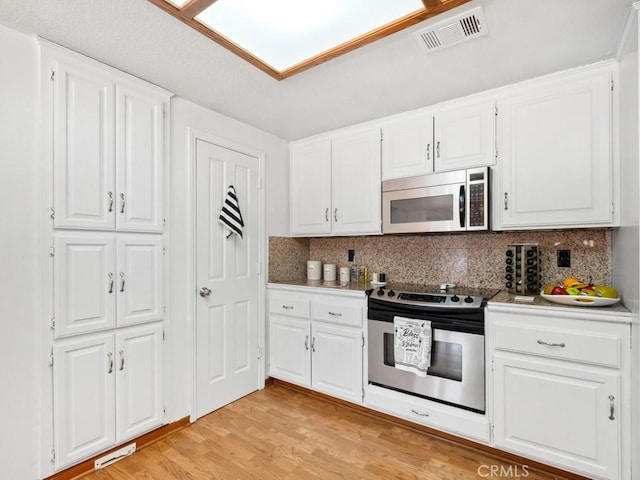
381, 135
53, 213
496, 153
51, 358
164, 309
259, 352
164, 251
612, 85
53, 323
496, 110
493, 366
164, 335
363, 394
52, 251
363, 340
493, 431
53, 455
53, 74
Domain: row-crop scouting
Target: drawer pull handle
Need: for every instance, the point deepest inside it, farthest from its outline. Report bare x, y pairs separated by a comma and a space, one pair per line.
306, 342
313, 344
611, 407
549, 344
287, 307
335, 314
422, 414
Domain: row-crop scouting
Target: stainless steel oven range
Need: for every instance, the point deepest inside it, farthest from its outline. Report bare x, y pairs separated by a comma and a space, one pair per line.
456, 375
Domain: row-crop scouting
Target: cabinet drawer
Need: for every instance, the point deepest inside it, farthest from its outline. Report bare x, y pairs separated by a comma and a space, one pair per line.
291, 306
339, 312
585, 347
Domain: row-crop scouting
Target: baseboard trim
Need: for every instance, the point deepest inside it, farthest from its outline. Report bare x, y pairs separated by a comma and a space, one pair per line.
141, 442
494, 452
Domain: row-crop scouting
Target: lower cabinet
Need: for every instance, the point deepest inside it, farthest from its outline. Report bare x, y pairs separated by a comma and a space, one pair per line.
316, 341
107, 389
560, 389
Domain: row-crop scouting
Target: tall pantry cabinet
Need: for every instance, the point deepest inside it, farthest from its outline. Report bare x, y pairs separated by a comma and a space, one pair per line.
103, 179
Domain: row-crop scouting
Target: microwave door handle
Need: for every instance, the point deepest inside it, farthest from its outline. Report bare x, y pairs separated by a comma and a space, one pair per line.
461, 205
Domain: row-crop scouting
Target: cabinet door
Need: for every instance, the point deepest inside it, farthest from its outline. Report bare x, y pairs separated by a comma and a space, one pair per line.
407, 147
85, 283
84, 156
555, 154
84, 397
356, 187
139, 279
139, 380
311, 187
337, 361
558, 413
289, 350
140, 165
465, 136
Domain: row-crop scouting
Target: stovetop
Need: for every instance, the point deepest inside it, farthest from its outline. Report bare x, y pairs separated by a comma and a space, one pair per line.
433, 295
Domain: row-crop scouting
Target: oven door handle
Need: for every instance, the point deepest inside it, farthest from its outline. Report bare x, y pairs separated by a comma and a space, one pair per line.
461, 206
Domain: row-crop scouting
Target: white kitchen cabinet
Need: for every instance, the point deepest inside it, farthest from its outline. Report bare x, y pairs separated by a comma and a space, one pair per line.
465, 135
107, 389
335, 184
108, 148
316, 341
84, 397
104, 280
407, 146
560, 389
453, 136
556, 165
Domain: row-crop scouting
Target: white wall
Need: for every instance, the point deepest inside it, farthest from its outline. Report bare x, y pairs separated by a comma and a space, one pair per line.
626, 240
187, 115
19, 279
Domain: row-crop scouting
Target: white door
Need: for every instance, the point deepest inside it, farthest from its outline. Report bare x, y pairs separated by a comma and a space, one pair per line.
138, 358
84, 397
290, 350
355, 171
139, 152
465, 137
83, 148
337, 361
139, 278
85, 283
311, 187
227, 317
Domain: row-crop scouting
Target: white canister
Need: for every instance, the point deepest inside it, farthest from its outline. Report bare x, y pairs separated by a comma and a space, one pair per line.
329, 272
314, 270
345, 275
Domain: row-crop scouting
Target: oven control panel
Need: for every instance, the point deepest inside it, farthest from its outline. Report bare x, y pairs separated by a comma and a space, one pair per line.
448, 300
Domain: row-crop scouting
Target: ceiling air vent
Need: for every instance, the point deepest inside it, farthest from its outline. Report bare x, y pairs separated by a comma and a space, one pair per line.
462, 27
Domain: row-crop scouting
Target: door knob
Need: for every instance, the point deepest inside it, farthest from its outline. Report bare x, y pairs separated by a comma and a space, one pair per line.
205, 292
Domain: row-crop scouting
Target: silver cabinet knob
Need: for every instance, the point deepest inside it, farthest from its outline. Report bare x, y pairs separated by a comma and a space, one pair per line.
205, 292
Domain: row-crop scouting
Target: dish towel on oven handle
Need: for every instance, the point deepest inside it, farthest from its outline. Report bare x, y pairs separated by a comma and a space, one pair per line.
230, 215
412, 345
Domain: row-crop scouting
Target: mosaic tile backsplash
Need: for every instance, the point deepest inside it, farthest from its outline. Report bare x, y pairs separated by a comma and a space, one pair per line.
470, 260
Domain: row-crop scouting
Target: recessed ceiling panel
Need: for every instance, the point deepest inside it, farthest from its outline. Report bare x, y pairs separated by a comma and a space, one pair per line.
283, 33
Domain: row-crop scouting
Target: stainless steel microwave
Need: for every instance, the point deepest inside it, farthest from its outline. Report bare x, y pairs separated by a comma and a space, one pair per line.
442, 202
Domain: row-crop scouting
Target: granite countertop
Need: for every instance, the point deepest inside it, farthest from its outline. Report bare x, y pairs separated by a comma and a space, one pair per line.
504, 297
350, 287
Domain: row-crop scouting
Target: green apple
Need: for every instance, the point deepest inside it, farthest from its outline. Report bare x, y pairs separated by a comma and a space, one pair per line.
573, 291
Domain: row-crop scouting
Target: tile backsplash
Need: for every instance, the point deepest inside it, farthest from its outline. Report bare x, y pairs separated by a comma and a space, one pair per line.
471, 260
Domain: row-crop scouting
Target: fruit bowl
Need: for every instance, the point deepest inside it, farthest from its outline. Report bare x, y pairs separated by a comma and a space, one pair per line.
579, 300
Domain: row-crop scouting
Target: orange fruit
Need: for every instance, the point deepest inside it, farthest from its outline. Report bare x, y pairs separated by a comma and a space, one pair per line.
570, 282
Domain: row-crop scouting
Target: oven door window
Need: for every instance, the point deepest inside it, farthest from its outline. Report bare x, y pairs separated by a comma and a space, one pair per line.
446, 358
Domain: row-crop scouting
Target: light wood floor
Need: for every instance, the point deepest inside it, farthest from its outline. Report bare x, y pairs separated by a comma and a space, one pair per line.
279, 433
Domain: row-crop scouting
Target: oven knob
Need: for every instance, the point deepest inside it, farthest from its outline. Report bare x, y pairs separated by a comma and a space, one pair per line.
368, 292
391, 293
455, 298
469, 299
381, 292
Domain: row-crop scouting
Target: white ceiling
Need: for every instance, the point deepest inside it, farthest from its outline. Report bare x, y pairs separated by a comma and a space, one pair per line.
526, 38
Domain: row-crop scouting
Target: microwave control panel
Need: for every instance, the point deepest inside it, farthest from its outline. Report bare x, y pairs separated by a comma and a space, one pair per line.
476, 205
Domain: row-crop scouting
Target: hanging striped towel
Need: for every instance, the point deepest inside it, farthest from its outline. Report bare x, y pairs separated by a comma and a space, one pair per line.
230, 215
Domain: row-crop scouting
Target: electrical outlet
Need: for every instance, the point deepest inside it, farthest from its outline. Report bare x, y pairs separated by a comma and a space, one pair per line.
352, 254
564, 258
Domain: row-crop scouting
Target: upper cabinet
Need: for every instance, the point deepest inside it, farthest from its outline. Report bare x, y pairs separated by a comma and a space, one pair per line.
335, 184
555, 164
456, 136
108, 148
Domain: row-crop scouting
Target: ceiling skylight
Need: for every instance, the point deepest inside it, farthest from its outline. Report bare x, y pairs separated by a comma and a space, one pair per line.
284, 37
283, 33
